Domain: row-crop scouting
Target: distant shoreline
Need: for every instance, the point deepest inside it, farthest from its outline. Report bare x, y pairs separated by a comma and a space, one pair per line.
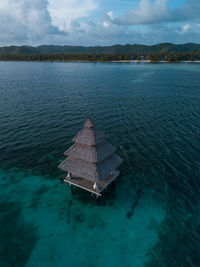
111, 61
149, 61
159, 53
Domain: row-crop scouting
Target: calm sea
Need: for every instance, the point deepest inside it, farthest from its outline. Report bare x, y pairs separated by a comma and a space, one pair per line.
150, 112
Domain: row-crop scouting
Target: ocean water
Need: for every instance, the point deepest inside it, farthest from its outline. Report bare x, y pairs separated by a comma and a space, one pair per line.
150, 112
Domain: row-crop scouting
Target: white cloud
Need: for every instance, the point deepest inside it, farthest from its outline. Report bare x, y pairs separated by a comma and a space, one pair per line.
25, 20
40, 21
64, 12
157, 11
110, 15
37, 22
185, 28
146, 13
106, 24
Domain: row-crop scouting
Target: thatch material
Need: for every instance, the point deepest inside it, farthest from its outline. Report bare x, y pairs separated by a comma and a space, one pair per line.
89, 123
91, 171
91, 157
89, 136
90, 153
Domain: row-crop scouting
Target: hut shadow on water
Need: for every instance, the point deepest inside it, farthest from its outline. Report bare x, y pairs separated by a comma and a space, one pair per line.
18, 238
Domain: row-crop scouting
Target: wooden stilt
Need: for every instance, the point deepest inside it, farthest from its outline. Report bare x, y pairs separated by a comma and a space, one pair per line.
98, 198
71, 188
88, 185
113, 184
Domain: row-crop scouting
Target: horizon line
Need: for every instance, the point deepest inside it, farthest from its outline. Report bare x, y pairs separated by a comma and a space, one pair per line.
139, 44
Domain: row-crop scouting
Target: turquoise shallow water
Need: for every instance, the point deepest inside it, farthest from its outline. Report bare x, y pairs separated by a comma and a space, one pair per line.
150, 112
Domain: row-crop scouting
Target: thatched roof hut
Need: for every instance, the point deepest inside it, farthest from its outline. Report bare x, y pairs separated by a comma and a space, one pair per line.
91, 162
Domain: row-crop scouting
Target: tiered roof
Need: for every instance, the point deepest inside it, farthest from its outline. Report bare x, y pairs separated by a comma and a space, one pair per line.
91, 157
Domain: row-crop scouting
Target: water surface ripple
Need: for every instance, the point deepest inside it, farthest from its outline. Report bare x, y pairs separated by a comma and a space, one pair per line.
150, 112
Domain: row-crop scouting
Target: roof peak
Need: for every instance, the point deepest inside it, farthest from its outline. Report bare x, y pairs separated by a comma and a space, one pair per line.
89, 123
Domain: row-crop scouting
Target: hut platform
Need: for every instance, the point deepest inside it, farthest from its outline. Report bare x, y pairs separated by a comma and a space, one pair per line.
88, 185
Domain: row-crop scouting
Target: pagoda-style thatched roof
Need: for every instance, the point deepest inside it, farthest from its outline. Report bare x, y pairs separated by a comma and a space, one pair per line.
91, 157
89, 136
91, 171
90, 154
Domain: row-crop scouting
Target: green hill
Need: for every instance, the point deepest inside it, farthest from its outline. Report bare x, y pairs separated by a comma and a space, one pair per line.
114, 49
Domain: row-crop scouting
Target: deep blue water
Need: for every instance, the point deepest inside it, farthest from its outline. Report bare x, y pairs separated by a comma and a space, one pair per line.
150, 112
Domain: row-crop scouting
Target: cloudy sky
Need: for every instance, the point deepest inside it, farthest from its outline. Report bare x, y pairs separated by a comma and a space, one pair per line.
98, 22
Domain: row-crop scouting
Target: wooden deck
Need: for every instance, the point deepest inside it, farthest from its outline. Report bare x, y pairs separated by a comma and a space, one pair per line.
88, 185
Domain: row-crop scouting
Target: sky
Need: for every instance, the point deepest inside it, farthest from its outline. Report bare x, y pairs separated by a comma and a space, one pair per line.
98, 22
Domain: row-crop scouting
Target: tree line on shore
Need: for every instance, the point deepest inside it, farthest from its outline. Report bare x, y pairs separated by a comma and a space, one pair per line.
153, 57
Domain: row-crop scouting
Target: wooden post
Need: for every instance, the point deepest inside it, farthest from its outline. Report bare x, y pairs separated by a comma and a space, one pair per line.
98, 198
71, 188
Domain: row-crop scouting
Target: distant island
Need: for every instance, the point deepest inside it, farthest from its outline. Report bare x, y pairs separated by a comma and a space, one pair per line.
164, 52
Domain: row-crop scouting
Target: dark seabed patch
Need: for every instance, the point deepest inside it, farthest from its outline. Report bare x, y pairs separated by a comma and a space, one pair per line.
18, 238
181, 226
